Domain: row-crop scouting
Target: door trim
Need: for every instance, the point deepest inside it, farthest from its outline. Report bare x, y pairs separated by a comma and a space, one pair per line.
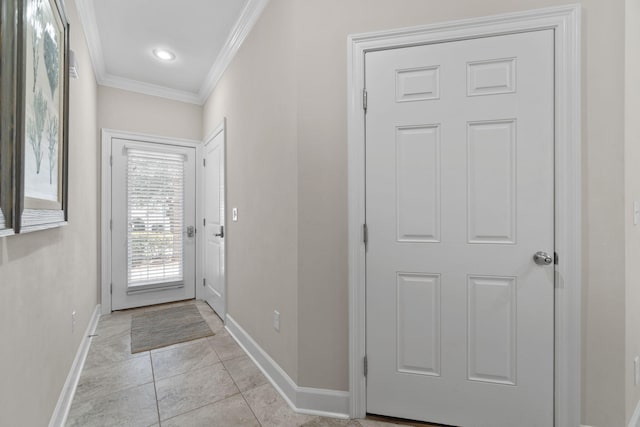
221, 128
565, 21
107, 135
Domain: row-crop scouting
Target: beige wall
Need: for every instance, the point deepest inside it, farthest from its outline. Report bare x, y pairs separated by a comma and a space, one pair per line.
257, 96
313, 101
135, 112
632, 179
46, 275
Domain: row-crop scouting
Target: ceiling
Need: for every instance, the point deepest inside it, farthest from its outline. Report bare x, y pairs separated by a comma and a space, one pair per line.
203, 34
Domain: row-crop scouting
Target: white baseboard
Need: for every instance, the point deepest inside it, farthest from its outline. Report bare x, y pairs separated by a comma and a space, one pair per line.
303, 400
635, 418
60, 413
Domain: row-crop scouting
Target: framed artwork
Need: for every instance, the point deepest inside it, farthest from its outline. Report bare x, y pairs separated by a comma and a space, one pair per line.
8, 68
42, 115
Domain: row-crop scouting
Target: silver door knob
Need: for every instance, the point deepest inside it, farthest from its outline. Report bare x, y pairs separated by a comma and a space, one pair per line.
542, 258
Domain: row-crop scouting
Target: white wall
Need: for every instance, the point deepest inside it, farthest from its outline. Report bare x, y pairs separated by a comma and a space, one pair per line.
46, 275
135, 112
296, 78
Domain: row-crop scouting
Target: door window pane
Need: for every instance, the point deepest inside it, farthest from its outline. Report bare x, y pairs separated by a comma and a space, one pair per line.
155, 214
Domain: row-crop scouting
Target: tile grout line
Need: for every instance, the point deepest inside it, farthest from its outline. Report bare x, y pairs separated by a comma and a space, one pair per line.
81, 399
241, 392
190, 370
109, 364
102, 397
217, 354
212, 349
236, 384
200, 407
250, 408
155, 388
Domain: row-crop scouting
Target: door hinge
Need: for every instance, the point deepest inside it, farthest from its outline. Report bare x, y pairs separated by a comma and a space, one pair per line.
204, 222
111, 288
110, 224
204, 282
366, 366
555, 258
365, 96
365, 235
204, 162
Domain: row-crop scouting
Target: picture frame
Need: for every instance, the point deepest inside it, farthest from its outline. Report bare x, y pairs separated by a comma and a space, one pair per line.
42, 116
8, 75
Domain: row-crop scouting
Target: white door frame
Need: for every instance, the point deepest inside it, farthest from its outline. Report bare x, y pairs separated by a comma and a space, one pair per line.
565, 21
221, 128
105, 210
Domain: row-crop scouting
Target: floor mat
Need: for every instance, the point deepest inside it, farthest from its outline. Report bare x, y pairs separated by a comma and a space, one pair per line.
160, 328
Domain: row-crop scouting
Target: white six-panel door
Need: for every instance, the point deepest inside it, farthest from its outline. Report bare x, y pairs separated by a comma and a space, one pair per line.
214, 206
459, 197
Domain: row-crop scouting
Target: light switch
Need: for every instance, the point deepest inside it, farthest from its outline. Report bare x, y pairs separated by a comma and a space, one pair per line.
234, 214
636, 212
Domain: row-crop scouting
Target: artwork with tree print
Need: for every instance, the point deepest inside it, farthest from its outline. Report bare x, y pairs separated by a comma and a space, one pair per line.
43, 102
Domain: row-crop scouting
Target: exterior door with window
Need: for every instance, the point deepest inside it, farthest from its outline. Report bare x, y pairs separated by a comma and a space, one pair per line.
153, 223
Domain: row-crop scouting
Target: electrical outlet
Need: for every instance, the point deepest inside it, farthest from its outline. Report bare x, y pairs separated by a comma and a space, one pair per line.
73, 321
276, 320
636, 370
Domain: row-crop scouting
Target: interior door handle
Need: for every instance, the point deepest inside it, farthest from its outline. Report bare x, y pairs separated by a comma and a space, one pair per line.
221, 233
542, 258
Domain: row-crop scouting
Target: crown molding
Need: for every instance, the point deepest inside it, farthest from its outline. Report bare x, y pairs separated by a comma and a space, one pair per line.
131, 85
87, 15
249, 16
247, 19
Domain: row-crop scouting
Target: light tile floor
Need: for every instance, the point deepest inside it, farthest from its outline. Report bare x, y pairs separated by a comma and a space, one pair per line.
207, 382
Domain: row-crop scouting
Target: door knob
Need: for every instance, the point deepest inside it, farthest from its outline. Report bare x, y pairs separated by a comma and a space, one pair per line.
191, 231
542, 258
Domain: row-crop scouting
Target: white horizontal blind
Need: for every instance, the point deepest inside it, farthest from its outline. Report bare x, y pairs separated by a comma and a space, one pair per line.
155, 214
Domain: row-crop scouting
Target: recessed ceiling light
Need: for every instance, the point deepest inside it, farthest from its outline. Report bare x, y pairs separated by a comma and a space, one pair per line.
164, 54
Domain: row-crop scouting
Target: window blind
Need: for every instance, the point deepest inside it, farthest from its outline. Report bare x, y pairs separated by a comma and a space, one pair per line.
155, 215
